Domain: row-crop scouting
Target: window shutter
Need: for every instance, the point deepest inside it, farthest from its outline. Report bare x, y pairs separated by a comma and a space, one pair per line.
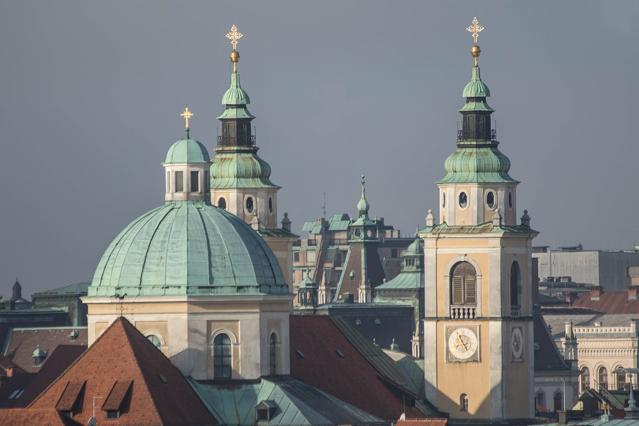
457, 294
470, 290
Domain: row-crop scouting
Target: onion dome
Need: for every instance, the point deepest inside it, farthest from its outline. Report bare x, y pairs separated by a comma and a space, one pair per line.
362, 204
187, 248
477, 165
187, 151
232, 169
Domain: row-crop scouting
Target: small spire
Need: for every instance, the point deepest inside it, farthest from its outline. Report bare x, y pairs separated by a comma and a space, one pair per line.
474, 29
362, 205
234, 35
430, 218
186, 115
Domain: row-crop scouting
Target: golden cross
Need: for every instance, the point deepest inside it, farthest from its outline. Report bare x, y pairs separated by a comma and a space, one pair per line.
186, 115
234, 35
474, 29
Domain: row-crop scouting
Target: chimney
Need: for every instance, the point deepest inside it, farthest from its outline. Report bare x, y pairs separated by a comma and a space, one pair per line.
596, 293
632, 293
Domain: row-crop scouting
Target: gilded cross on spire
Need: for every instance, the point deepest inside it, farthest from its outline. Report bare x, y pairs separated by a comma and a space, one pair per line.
234, 35
474, 29
186, 115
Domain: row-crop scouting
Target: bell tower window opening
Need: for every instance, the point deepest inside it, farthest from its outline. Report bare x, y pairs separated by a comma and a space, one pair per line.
221, 203
195, 181
179, 181
463, 200
249, 204
515, 284
443, 200
490, 200
270, 205
510, 200
272, 354
168, 182
222, 357
463, 284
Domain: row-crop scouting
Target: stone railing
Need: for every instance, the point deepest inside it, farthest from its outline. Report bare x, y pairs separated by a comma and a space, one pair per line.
462, 312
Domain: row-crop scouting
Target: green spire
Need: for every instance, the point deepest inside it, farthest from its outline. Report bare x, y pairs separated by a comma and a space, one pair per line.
235, 100
362, 204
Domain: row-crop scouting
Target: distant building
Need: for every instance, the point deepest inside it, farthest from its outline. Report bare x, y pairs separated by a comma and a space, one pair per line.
17, 301
348, 258
608, 269
67, 298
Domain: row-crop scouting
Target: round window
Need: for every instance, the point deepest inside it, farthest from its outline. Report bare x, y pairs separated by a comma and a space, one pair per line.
490, 199
221, 203
249, 204
510, 200
463, 200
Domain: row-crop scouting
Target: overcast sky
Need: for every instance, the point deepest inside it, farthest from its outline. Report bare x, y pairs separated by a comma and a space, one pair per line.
90, 94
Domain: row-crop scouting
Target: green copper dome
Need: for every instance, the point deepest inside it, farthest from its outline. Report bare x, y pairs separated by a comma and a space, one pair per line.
187, 151
243, 169
187, 248
476, 88
477, 163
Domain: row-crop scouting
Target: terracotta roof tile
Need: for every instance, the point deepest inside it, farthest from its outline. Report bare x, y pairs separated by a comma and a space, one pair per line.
30, 417
159, 395
22, 341
323, 357
610, 302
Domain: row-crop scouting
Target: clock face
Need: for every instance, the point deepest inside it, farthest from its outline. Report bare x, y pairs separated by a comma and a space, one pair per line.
463, 343
517, 343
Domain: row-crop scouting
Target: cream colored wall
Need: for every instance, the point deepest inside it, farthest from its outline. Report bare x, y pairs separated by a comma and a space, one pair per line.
186, 194
477, 210
283, 250
186, 329
236, 204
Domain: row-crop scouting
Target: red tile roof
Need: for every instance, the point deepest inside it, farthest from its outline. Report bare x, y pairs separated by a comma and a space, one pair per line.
159, 395
323, 357
22, 341
609, 302
30, 417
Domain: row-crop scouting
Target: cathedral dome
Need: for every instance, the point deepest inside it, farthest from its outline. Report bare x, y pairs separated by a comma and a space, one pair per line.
187, 248
187, 151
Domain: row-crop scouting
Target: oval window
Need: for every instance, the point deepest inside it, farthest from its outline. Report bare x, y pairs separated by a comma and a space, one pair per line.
221, 203
490, 199
249, 204
463, 200
510, 200
270, 205
444, 199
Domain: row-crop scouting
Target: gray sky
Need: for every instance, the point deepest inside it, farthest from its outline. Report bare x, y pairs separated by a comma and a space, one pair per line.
90, 94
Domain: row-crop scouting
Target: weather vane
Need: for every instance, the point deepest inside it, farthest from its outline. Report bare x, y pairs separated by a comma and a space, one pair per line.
234, 35
474, 29
186, 115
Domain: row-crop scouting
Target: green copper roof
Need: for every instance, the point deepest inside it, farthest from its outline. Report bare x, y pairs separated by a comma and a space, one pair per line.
482, 228
187, 248
476, 88
240, 169
235, 99
187, 151
406, 280
477, 162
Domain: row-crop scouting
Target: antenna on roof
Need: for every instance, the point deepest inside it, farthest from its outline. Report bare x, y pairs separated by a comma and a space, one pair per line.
324, 206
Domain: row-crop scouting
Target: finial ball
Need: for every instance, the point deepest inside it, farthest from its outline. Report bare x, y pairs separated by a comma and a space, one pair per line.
235, 56
475, 51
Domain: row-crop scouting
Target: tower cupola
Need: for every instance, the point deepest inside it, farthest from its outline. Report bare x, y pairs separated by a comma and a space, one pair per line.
362, 204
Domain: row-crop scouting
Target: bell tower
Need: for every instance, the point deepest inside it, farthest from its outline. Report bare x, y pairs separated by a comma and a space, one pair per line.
478, 329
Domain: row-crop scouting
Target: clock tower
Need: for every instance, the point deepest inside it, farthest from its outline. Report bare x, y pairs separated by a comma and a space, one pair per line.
478, 329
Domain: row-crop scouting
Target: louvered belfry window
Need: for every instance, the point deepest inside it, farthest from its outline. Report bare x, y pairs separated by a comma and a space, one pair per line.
463, 284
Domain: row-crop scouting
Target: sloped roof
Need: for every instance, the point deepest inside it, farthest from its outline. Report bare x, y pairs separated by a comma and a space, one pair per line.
351, 368
294, 403
70, 289
30, 417
547, 356
160, 393
21, 343
610, 302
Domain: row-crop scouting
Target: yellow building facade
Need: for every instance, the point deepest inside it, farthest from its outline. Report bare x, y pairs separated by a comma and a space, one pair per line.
478, 328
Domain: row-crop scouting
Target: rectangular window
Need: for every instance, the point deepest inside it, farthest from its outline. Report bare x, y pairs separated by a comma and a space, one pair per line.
179, 181
457, 291
471, 291
168, 182
296, 256
195, 181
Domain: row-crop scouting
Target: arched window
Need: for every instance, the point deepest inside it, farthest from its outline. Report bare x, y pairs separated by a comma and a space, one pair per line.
620, 378
272, 354
222, 357
221, 203
515, 282
557, 401
602, 376
463, 284
540, 401
463, 402
155, 340
585, 379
